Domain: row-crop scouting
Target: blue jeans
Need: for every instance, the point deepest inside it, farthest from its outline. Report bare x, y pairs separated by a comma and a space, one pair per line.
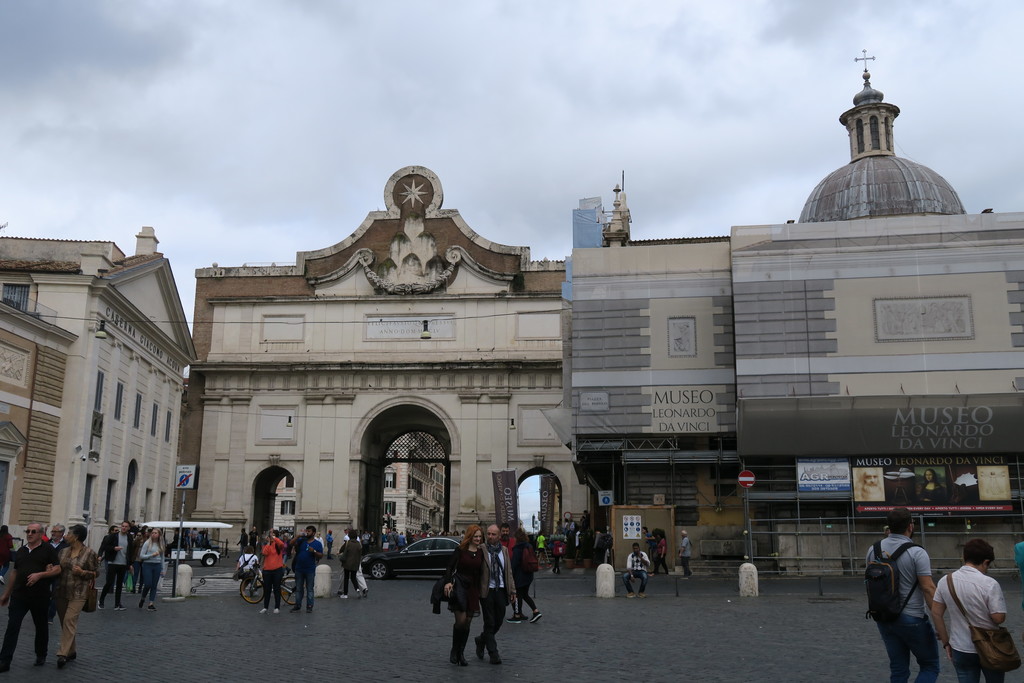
968, 669
151, 578
909, 635
304, 585
642, 575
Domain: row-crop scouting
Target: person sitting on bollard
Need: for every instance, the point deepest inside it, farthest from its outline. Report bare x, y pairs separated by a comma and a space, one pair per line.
636, 568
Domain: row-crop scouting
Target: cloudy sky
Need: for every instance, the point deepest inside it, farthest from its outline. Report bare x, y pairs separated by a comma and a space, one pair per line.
246, 131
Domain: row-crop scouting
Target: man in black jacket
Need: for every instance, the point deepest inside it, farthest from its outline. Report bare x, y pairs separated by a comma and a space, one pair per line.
118, 550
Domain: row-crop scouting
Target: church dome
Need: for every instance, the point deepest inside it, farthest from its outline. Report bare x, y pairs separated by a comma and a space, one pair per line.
876, 182
874, 186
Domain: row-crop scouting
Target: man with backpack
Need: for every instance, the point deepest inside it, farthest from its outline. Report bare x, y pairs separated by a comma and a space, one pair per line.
900, 589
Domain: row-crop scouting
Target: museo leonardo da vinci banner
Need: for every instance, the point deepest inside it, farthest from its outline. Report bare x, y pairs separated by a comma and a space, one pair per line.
944, 484
547, 504
506, 498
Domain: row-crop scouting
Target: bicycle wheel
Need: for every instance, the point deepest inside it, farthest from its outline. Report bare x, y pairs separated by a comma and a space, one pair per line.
251, 590
288, 590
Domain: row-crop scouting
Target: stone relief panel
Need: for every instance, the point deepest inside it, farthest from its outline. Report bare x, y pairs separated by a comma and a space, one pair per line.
682, 337
13, 365
927, 318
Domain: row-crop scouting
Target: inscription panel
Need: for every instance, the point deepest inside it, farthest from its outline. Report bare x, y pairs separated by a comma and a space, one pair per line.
383, 328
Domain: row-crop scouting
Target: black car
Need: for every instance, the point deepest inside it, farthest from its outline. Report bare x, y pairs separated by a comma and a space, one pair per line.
426, 557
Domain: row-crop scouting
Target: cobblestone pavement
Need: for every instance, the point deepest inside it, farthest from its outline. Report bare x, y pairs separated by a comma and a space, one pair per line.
795, 631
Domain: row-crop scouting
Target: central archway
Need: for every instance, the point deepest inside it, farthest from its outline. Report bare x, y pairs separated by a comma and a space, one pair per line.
412, 440
264, 496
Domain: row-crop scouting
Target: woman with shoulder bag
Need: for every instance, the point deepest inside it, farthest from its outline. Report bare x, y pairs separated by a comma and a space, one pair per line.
79, 567
523, 578
972, 598
152, 556
462, 581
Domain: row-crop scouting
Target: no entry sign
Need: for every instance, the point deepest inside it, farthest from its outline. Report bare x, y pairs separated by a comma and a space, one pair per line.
746, 479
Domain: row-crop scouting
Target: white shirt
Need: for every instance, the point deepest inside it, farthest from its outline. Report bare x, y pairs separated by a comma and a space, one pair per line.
980, 595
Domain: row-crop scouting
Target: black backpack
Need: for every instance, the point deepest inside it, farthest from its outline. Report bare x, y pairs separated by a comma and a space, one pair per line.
882, 581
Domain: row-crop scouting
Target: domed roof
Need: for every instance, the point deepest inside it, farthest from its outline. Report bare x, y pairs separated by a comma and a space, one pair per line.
880, 186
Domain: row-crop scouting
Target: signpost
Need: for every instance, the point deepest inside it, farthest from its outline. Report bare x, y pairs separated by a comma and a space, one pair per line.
746, 480
185, 479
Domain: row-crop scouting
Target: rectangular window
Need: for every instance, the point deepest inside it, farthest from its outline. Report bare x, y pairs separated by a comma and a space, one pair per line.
138, 411
389, 507
153, 421
118, 400
108, 512
98, 403
16, 296
87, 503
389, 480
287, 507
167, 428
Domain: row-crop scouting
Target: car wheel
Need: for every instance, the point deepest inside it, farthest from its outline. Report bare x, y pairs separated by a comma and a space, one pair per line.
379, 570
209, 560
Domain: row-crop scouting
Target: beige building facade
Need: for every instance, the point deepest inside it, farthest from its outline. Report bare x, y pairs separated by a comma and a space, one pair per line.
119, 347
413, 324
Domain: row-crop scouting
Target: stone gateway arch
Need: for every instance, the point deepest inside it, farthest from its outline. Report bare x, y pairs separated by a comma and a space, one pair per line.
412, 343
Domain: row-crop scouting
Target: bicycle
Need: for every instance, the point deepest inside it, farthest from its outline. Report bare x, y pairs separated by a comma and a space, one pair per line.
252, 589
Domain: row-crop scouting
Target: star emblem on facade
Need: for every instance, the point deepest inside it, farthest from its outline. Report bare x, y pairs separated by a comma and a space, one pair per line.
413, 192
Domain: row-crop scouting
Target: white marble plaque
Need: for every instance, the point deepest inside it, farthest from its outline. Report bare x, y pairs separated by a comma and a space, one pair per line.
931, 318
594, 402
408, 327
682, 337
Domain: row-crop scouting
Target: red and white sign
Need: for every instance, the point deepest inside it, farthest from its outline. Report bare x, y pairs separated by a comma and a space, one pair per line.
746, 479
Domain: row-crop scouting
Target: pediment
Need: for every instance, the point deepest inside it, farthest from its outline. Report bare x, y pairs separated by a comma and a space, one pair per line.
150, 289
415, 247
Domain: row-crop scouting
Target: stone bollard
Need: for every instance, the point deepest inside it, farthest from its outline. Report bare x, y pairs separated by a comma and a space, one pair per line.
322, 584
605, 581
748, 580
184, 580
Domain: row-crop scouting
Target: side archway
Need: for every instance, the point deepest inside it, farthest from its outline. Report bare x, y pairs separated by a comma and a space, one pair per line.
264, 496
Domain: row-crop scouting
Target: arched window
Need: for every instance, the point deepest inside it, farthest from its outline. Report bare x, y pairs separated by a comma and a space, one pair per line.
860, 136
875, 144
888, 134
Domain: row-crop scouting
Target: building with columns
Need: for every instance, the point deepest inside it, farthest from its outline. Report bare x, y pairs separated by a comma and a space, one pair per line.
412, 325
104, 341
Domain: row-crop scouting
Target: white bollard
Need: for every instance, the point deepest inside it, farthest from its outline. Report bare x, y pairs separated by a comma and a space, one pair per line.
748, 580
322, 583
184, 580
605, 581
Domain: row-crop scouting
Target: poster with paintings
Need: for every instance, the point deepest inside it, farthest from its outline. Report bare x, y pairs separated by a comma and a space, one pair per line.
961, 484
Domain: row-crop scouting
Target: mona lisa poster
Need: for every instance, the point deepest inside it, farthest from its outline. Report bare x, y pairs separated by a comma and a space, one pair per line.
935, 484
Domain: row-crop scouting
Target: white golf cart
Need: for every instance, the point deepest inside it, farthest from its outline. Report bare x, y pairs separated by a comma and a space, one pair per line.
207, 555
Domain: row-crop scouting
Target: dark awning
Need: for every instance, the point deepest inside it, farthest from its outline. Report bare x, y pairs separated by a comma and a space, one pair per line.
863, 425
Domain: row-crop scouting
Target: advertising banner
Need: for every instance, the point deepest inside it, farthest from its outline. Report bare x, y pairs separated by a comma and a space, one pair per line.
547, 504
823, 474
506, 498
953, 484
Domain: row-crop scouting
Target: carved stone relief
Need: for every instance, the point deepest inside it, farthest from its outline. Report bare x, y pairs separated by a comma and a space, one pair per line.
13, 365
682, 337
926, 318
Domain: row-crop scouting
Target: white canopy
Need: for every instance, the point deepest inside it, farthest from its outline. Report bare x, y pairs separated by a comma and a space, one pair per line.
191, 524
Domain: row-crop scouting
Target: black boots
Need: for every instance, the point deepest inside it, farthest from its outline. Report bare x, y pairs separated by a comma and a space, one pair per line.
459, 638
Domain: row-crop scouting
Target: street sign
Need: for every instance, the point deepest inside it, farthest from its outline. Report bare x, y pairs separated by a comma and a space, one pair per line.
185, 477
605, 498
746, 479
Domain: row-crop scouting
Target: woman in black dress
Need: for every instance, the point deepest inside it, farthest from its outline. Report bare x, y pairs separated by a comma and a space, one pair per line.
462, 588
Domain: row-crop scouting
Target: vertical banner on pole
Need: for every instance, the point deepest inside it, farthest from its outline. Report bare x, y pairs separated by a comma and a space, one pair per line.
547, 504
506, 498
